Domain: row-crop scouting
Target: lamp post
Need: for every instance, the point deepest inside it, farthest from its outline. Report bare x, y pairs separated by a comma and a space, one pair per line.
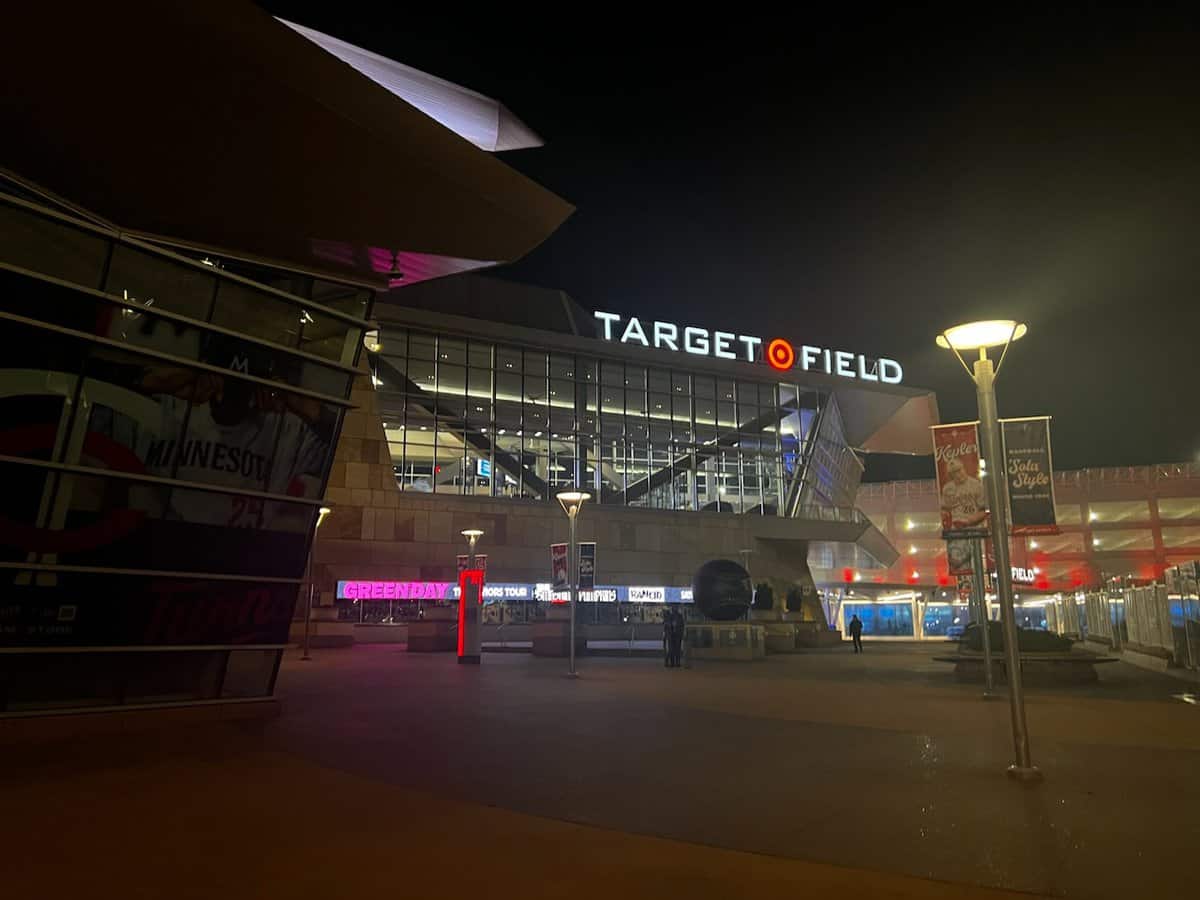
745, 554
572, 502
981, 336
469, 606
472, 535
321, 514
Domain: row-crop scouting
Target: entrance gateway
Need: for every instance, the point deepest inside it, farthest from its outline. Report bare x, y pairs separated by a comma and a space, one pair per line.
779, 352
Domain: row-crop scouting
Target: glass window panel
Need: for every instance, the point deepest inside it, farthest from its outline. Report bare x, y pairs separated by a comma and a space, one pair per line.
1179, 507
323, 335
508, 415
681, 383
635, 402
508, 386
1181, 536
155, 526
187, 290
1068, 514
422, 346
479, 353
1119, 511
479, 383
725, 390
635, 377
452, 351
704, 387
343, 297
417, 470
726, 420
747, 392
562, 392
536, 390
479, 412
612, 468
660, 406
536, 419
256, 313
27, 496
451, 385
1122, 539
1061, 543
54, 248
508, 360
38, 375
660, 431
533, 479
450, 473
562, 366
659, 381
536, 363
612, 373
422, 375
635, 429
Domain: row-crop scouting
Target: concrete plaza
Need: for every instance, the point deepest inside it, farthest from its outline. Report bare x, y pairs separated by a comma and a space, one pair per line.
825, 772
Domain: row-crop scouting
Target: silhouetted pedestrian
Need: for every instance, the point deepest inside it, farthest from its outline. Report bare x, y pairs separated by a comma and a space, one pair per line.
668, 626
676, 650
856, 633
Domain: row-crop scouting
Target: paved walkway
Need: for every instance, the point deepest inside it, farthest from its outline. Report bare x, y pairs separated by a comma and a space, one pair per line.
865, 776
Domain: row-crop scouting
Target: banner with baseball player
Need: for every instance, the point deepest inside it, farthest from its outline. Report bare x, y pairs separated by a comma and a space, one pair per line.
961, 495
171, 464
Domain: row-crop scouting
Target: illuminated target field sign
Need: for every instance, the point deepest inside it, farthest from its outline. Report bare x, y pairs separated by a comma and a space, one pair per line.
779, 353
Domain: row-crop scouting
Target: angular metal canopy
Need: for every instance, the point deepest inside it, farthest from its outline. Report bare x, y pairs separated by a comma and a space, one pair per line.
486, 123
214, 125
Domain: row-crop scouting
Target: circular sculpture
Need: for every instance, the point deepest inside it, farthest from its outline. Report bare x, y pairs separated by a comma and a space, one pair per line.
721, 590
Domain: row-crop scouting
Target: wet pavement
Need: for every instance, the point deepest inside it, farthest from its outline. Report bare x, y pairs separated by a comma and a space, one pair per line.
877, 762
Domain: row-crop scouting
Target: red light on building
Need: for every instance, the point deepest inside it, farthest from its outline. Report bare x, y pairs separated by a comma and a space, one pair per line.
781, 355
848, 575
944, 580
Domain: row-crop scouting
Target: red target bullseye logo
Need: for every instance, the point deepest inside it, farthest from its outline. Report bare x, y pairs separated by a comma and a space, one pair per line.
781, 355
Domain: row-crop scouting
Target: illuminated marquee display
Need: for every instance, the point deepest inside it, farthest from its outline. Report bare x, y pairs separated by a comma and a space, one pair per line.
778, 353
492, 593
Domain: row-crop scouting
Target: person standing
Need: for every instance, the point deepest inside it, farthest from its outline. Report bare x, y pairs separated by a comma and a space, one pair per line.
668, 625
676, 637
856, 633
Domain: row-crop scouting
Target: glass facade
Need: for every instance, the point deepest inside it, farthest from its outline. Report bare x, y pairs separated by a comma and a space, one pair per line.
168, 427
469, 416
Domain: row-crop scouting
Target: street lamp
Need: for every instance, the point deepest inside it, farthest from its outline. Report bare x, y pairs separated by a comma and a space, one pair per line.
321, 514
745, 554
472, 535
572, 502
981, 336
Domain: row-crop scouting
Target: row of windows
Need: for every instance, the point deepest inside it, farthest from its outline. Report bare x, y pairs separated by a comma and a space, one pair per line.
148, 280
524, 423
1102, 512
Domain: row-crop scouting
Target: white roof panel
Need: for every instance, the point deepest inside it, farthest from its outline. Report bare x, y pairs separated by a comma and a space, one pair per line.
485, 122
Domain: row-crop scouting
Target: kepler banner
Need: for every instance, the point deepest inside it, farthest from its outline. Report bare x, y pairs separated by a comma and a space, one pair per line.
1030, 474
960, 486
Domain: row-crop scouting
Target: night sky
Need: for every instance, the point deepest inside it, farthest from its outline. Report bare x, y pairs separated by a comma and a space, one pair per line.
863, 184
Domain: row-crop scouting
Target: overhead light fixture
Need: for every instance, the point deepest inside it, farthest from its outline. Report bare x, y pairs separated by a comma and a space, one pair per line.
981, 335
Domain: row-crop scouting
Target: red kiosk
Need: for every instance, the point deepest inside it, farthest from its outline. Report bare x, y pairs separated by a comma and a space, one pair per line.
470, 601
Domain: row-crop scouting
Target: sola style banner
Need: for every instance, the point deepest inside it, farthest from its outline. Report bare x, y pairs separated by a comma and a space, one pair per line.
1030, 474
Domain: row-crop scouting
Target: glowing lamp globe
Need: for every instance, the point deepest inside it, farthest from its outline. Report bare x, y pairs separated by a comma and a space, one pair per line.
981, 335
